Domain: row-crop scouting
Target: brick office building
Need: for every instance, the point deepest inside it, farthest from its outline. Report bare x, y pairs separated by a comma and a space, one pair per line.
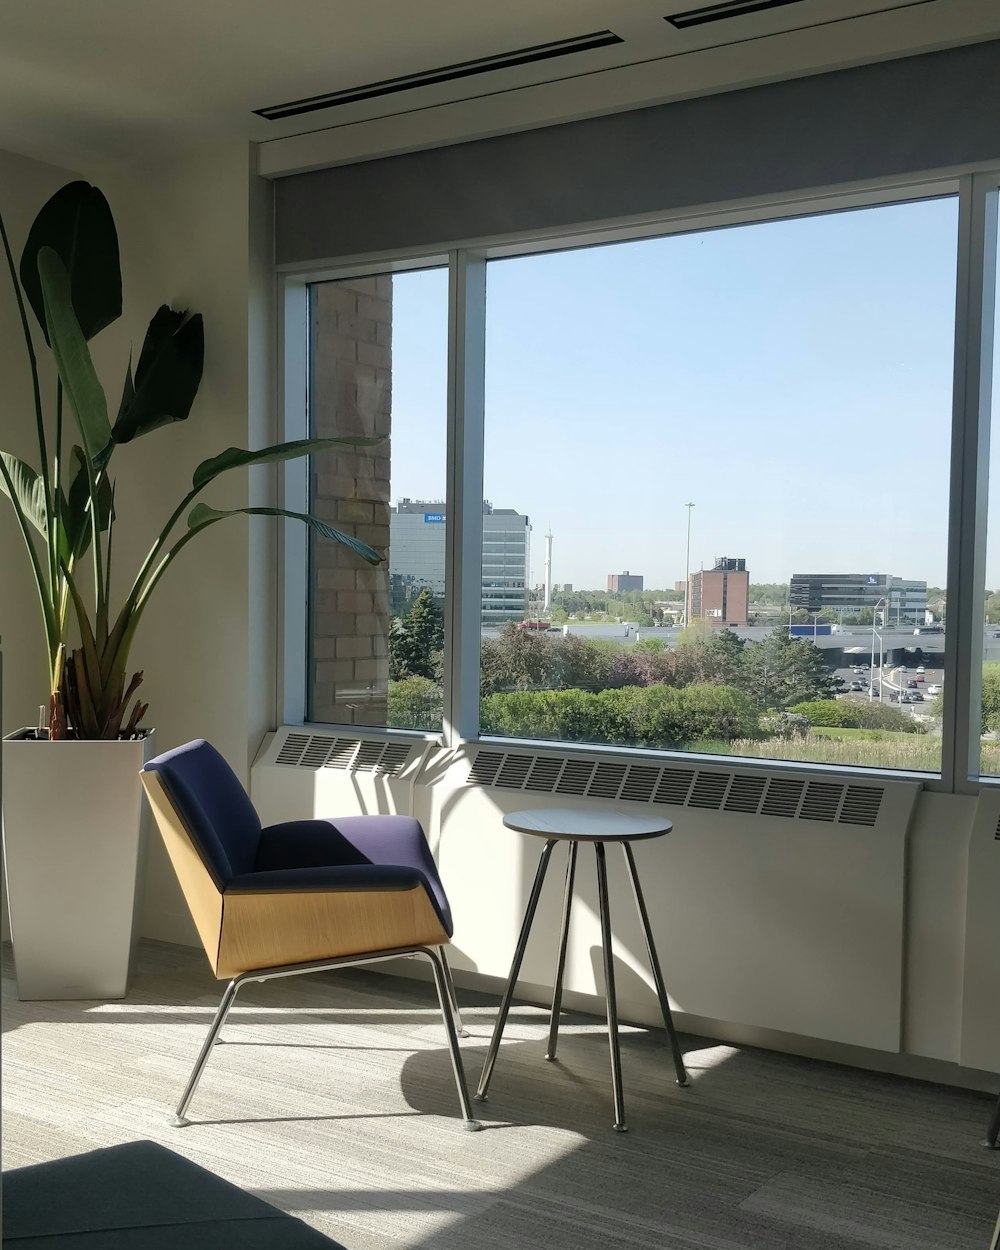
720, 595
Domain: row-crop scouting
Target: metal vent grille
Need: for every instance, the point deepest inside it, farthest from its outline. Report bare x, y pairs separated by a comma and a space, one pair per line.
821, 801
485, 767
575, 777
708, 790
782, 797
996, 832
514, 770
861, 804
713, 789
606, 781
292, 748
544, 774
639, 784
745, 793
674, 786
341, 753
305, 750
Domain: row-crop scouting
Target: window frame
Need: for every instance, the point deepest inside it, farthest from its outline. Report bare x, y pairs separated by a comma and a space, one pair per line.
978, 191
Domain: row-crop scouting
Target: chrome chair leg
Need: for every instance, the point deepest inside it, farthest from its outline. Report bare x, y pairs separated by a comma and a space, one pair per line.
609, 989
435, 955
654, 963
550, 1052
460, 1028
508, 994
180, 1115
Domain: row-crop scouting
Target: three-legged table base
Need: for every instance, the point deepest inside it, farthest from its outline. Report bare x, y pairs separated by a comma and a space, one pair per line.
609, 970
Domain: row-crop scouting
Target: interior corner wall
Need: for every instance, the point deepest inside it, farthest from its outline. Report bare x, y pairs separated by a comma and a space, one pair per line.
195, 233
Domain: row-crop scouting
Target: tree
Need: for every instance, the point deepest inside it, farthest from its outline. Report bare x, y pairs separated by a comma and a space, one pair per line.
416, 640
779, 671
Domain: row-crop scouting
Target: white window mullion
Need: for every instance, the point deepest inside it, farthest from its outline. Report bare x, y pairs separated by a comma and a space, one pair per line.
973, 368
464, 550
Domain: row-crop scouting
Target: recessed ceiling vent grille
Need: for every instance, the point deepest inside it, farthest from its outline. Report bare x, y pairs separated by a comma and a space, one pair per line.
722, 11
713, 789
446, 73
304, 750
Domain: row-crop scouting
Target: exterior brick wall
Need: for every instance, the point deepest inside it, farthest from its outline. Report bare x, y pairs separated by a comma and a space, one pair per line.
351, 395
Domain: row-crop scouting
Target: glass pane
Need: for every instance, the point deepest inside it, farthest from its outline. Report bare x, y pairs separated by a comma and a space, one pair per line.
738, 441
989, 758
379, 368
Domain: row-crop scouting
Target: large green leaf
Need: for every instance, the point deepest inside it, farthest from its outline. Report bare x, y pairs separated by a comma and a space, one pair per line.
29, 490
202, 515
76, 529
77, 224
72, 356
237, 457
167, 376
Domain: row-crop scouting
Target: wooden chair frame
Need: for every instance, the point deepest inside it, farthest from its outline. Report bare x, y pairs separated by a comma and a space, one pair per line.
262, 935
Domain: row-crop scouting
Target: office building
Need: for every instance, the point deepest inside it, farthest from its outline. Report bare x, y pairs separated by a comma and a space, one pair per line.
417, 529
720, 595
618, 583
903, 600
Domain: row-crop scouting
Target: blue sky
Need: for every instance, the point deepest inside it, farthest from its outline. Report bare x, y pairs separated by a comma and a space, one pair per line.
792, 379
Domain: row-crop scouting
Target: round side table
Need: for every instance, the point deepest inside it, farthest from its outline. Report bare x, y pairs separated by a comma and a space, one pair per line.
596, 828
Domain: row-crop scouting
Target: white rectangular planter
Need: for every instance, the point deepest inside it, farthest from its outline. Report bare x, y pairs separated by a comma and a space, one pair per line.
74, 827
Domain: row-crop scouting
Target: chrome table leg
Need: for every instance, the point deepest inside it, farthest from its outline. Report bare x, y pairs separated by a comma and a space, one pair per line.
609, 989
508, 994
550, 1052
654, 963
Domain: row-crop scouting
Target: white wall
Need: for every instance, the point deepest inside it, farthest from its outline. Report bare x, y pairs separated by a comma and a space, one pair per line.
194, 233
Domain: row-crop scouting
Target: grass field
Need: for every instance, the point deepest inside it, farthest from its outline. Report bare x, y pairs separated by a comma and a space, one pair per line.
863, 748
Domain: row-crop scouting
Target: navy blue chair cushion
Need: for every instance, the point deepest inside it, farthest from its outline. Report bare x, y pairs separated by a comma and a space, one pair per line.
214, 807
362, 842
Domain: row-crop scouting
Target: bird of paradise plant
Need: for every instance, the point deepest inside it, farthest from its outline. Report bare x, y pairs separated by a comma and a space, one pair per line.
70, 277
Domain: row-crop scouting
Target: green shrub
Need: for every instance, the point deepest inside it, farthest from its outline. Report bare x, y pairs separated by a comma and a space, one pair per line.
414, 703
857, 714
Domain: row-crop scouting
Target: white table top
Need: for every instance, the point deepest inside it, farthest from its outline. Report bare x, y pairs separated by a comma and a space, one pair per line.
593, 825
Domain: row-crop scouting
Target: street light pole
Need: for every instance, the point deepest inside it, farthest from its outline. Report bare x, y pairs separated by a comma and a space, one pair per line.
687, 569
871, 669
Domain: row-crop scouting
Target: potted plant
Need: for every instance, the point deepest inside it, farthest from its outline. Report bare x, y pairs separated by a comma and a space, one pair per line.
72, 799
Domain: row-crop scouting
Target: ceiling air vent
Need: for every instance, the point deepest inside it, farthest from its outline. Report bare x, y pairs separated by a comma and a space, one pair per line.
723, 10
445, 73
745, 793
575, 777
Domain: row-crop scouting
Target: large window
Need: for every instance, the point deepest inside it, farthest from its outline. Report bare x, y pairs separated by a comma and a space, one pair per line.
379, 371
710, 487
783, 389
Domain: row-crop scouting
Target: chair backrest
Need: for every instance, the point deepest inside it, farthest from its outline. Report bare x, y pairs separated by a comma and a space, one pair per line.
214, 806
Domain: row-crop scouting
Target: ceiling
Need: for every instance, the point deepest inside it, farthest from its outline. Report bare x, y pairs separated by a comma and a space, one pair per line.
123, 80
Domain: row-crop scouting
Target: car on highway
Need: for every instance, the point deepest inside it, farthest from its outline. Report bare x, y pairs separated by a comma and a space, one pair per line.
920, 677
856, 685
911, 684
935, 688
876, 692
921, 669
905, 698
916, 696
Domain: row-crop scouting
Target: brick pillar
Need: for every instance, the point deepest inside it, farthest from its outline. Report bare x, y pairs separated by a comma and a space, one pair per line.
351, 396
